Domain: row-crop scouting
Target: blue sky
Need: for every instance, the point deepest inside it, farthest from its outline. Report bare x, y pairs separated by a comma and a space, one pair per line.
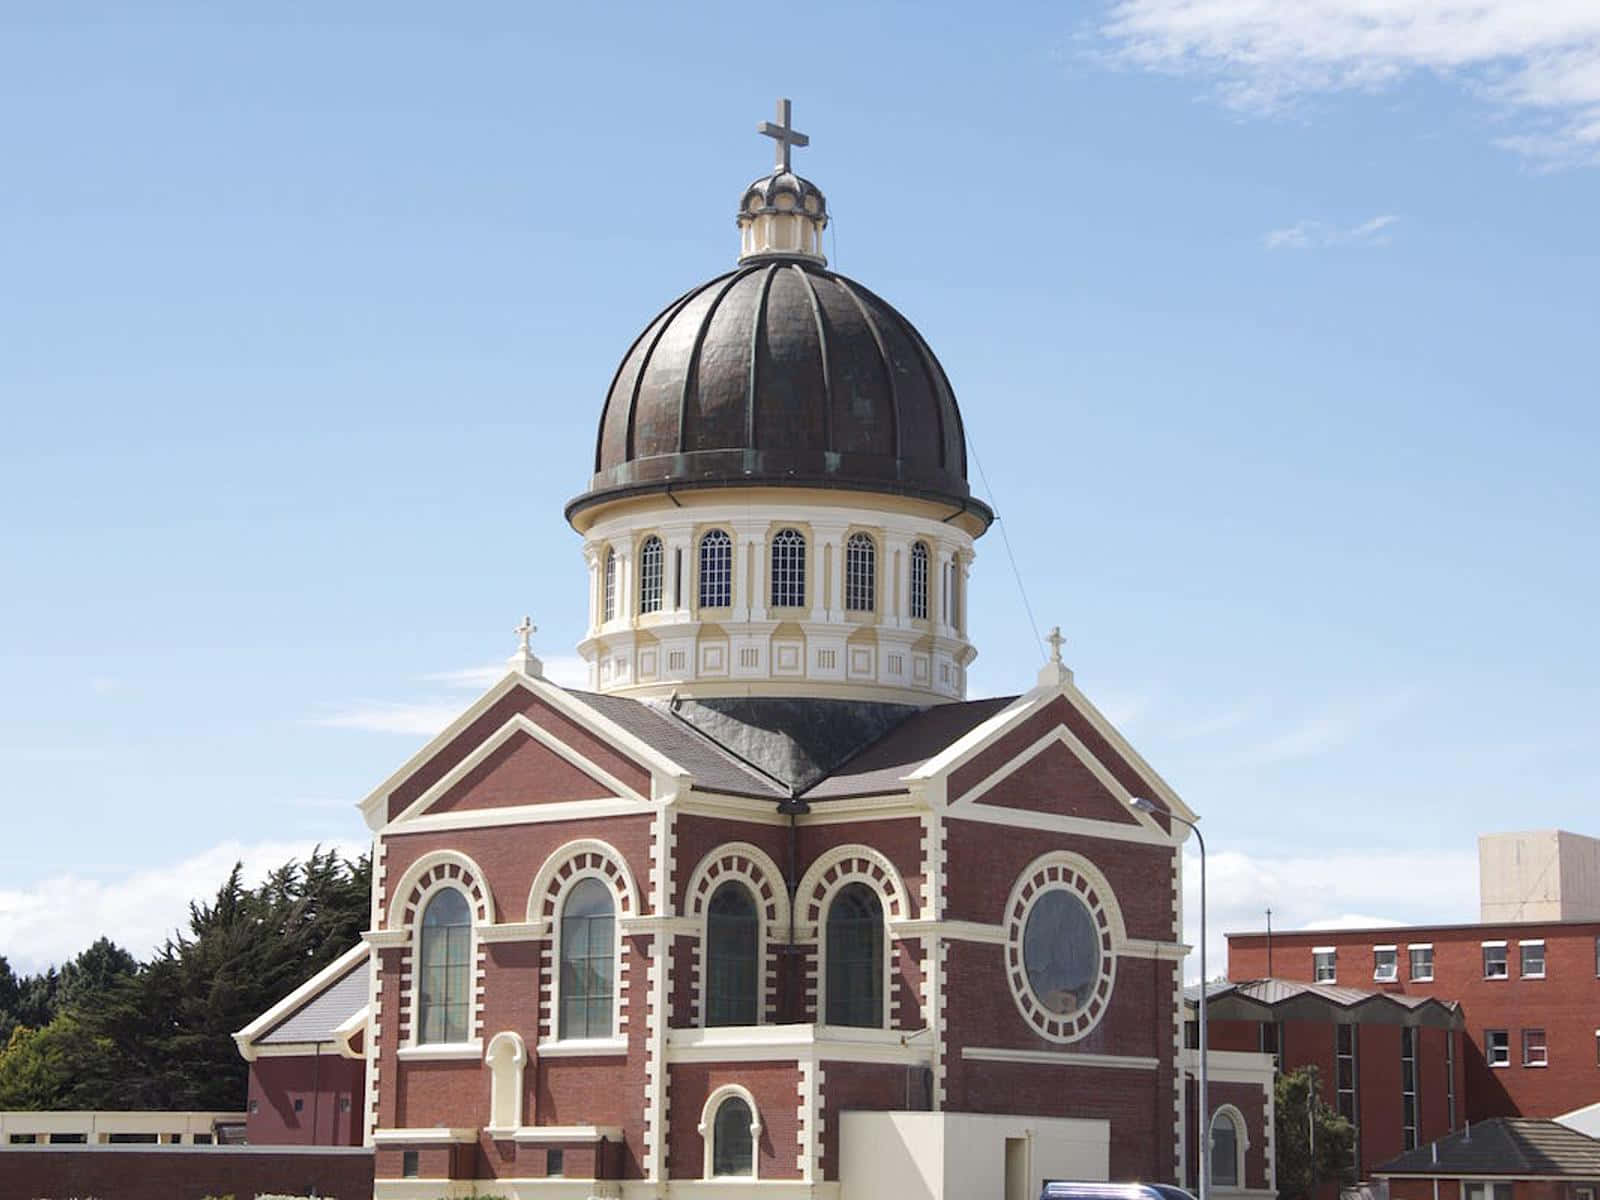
1274, 332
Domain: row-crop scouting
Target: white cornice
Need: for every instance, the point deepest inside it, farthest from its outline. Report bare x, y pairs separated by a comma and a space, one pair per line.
413, 1137
1059, 1058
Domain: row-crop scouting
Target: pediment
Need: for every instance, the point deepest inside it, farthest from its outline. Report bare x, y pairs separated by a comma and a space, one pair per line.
1051, 778
522, 770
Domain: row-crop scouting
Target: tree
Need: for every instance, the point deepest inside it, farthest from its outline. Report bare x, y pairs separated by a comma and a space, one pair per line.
87, 978
45, 1068
1312, 1143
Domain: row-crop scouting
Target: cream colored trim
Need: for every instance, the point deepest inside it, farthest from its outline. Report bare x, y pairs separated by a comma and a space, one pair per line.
386, 939
425, 863
357, 1022
794, 1043
507, 1060
411, 1137
329, 975
610, 1047
1131, 756
559, 857
752, 809
1059, 1058
522, 814
517, 723
978, 737
441, 1051
1146, 948
515, 931
567, 1133
1054, 823
1063, 736
956, 931
651, 759
707, 1131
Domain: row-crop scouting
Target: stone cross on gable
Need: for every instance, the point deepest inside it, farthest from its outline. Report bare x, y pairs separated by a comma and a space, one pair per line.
784, 133
525, 631
1056, 641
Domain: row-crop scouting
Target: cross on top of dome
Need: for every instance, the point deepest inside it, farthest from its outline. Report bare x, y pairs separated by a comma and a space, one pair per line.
785, 134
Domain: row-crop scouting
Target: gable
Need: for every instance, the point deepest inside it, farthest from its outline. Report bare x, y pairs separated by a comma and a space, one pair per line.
1055, 780
603, 759
520, 770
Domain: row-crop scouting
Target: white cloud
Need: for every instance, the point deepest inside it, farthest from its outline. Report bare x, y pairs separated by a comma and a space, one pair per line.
1340, 889
1318, 235
1539, 63
53, 919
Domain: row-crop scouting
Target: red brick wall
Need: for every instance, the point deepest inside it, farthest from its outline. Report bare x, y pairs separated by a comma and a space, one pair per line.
1251, 1102
846, 1086
774, 1085
1563, 1003
169, 1173
322, 1084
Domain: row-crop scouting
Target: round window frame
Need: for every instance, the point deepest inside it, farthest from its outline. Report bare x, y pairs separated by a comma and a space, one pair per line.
1041, 878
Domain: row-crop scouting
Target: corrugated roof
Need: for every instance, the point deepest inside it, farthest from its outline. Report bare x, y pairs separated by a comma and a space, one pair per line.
1513, 1146
322, 1014
1264, 999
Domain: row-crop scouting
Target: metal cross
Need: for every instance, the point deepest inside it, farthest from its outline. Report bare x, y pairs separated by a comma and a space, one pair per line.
526, 631
1055, 639
785, 135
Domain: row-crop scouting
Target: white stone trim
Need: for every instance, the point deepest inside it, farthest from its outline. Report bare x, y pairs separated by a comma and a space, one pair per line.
568, 866
611, 1047
507, 1060
567, 1133
441, 1051
1060, 1058
1063, 870
794, 1043
413, 1137
426, 877
524, 814
707, 1130
409, 896
1241, 1142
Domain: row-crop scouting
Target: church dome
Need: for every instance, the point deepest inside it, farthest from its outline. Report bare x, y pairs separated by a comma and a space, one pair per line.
781, 372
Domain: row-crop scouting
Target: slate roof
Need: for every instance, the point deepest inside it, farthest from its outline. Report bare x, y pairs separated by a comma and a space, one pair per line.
1519, 1147
1275, 999
774, 747
318, 1018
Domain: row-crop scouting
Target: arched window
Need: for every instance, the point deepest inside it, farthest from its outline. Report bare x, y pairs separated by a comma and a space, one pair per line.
1225, 1139
716, 570
608, 609
919, 581
650, 575
788, 569
733, 949
860, 573
733, 1143
588, 961
955, 593
855, 958
444, 997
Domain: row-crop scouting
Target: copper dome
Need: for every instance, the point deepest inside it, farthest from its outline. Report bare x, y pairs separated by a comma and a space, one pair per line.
781, 372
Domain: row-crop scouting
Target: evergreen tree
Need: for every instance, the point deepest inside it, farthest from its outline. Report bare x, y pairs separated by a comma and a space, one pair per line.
1313, 1144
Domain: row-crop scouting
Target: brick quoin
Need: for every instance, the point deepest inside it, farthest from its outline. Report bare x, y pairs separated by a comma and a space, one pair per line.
1563, 1003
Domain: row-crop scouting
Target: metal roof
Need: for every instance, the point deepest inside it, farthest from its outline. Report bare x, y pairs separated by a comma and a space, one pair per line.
322, 1014
1293, 999
1519, 1147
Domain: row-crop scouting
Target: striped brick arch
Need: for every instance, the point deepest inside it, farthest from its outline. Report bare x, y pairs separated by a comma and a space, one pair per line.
752, 867
436, 870
562, 869
851, 864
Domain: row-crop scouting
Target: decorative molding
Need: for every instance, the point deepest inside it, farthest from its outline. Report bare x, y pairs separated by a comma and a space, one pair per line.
707, 1130
283, 1009
611, 1047
1060, 1058
422, 1137
441, 1051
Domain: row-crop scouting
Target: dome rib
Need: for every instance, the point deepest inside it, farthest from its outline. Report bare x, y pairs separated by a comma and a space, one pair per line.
781, 373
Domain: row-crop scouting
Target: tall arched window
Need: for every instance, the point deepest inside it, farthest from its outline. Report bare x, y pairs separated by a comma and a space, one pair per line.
919, 581
855, 958
716, 570
1224, 1150
608, 609
955, 593
650, 575
444, 997
733, 949
788, 569
733, 1143
588, 961
860, 573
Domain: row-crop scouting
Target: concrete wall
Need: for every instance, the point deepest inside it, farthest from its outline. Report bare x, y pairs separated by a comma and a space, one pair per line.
962, 1156
1543, 875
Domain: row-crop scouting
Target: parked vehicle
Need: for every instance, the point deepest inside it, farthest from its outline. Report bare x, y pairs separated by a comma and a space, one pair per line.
1063, 1190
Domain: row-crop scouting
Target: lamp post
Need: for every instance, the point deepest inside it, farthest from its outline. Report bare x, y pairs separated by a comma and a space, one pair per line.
1147, 806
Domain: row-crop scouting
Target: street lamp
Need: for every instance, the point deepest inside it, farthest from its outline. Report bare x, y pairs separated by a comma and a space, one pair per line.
1148, 806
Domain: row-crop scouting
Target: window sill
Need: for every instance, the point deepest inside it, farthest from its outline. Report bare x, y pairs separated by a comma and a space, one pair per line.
1498, 1066
1386, 979
584, 1048
1533, 975
1422, 979
1488, 978
441, 1051
1537, 1066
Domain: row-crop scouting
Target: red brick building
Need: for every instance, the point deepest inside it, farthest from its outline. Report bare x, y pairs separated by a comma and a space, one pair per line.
770, 903
1529, 992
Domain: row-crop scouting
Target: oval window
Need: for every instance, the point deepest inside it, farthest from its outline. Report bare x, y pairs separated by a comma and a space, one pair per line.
1061, 952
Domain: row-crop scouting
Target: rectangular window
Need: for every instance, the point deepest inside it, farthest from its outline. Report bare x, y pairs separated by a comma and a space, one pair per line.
1421, 962
1385, 964
677, 578
1191, 1035
1408, 1086
24, 1139
1347, 1081
408, 1164
1532, 955
1475, 1190
203, 1139
1450, 1076
1534, 1051
1494, 960
1497, 1047
555, 1161
1324, 968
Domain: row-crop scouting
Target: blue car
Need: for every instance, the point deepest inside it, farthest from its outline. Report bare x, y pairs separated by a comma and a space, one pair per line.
1060, 1190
